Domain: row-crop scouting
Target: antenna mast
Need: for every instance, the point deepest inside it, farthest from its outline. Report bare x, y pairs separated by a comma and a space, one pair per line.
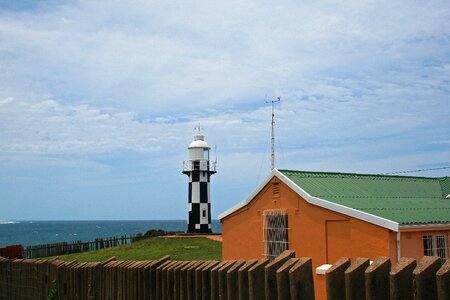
273, 131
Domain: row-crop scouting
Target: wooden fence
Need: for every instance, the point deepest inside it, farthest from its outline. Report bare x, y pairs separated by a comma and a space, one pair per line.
286, 277
46, 250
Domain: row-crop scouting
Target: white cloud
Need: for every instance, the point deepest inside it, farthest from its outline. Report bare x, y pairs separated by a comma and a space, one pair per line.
364, 86
146, 54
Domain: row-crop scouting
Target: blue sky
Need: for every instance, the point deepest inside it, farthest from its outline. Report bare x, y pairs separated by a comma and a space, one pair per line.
99, 99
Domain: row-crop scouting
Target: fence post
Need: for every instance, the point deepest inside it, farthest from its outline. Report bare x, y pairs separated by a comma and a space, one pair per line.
233, 280
282, 276
140, 283
400, 278
184, 280
198, 279
243, 279
143, 280
377, 279
215, 280
256, 281
177, 279
158, 279
301, 283
223, 284
424, 276
270, 275
97, 276
354, 279
152, 275
335, 279
171, 280
443, 281
206, 280
5, 277
190, 272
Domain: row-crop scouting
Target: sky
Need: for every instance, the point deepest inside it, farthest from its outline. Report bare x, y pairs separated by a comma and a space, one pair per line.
99, 99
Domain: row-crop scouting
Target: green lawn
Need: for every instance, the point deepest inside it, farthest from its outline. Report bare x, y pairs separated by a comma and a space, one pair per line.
154, 248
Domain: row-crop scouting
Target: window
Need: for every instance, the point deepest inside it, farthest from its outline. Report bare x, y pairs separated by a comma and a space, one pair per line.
204, 213
275, 231
436, 244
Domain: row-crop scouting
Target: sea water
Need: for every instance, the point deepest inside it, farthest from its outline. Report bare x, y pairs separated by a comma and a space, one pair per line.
47, 232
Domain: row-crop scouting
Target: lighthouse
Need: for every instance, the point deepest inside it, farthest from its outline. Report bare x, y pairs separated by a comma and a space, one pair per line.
199, 170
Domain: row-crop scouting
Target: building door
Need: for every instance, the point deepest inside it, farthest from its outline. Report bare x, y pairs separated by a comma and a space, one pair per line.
338, 240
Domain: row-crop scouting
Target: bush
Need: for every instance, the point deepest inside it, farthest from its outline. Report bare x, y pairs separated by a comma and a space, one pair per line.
155, 232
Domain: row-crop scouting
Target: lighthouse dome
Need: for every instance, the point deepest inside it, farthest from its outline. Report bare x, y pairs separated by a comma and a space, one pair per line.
199, 142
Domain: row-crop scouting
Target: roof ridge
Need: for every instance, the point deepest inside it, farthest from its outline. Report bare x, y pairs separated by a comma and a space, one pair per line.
363, 174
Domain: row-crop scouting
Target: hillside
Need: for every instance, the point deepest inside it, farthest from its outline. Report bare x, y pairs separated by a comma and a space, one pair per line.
154, 248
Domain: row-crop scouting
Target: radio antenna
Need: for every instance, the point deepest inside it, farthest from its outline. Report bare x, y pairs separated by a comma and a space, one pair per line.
273, 131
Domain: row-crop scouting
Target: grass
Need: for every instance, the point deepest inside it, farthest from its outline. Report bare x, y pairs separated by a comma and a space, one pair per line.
154, 248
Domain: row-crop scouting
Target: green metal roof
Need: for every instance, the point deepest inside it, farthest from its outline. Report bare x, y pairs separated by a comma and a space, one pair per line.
402, 199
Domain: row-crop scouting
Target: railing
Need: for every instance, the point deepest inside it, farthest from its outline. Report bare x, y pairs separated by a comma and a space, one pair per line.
199, 165
63, 248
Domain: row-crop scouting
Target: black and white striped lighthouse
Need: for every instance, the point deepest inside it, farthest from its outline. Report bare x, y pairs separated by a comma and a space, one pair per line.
199, 169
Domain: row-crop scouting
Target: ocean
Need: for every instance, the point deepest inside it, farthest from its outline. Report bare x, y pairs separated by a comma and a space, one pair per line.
47, 232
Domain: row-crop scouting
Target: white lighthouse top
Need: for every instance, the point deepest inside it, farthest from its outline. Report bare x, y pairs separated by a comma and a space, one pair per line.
199, 155
199, 142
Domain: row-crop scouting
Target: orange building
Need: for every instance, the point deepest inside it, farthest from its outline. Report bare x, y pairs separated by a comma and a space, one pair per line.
329, 215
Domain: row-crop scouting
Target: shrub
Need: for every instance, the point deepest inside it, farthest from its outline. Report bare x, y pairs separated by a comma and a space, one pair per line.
155, 232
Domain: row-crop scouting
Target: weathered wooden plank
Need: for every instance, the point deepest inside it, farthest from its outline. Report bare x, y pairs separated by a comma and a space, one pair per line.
233, 280
206, 279
177, 278
184, 280
355, 288
335, 279
443, 281
282, 276
152, 275
215, 280
377, 279
270, 277
301, 280
190, 278
160, 282
243, 279
222, 276
400, 279
256, 280
424, 276
198, 279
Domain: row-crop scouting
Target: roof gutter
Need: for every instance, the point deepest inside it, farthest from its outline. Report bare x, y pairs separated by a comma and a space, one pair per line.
421, 227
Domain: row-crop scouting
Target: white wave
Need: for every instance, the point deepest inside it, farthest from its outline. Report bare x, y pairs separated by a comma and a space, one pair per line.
8, 222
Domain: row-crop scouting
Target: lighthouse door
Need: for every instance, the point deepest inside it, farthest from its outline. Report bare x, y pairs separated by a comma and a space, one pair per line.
204, 213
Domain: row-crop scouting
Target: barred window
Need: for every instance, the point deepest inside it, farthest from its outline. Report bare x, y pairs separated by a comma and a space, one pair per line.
436, 244
275, 230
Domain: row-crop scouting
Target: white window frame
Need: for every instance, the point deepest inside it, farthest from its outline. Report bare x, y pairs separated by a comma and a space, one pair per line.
436, 244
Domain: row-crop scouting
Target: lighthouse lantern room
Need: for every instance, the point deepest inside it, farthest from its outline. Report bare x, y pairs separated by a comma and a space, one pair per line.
199, 170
